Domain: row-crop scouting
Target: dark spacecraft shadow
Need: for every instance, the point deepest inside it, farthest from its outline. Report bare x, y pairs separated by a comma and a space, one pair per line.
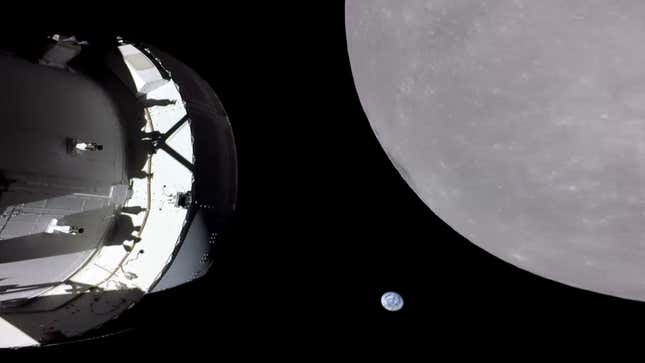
47, 245
18, 193
41, 108
75, 311
6, 193
133, 210
94, 64
4, 182
153, 102
55, 244
23, 167
123, 230
16, 197
40, 245
4, 187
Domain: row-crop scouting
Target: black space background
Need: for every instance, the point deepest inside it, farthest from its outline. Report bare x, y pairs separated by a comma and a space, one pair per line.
325, 224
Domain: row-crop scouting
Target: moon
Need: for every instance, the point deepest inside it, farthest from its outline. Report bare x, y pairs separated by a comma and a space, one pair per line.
521, 124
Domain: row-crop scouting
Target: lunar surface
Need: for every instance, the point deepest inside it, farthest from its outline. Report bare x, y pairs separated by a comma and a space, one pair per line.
521, 124
392, 301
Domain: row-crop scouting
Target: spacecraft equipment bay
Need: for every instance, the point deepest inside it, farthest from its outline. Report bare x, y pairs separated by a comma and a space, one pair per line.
118, 173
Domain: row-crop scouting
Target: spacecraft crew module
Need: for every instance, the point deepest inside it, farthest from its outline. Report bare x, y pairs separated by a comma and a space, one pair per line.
117, 174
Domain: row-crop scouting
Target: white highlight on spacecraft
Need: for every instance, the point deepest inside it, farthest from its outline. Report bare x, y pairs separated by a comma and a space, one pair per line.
53, 227
88, 146
145, 74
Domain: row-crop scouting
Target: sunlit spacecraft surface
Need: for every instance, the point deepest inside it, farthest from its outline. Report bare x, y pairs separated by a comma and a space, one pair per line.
118, 174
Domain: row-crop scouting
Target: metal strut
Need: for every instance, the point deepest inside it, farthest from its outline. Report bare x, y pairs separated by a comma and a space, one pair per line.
157, 140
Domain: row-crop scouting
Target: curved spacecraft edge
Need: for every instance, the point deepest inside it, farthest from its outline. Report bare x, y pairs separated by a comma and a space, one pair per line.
118, 174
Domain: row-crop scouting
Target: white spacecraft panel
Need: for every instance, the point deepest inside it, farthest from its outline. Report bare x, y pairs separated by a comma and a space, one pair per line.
144, 73
166, 116
10, 336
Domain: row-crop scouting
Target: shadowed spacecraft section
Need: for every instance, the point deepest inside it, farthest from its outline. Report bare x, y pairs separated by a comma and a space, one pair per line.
118, 173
